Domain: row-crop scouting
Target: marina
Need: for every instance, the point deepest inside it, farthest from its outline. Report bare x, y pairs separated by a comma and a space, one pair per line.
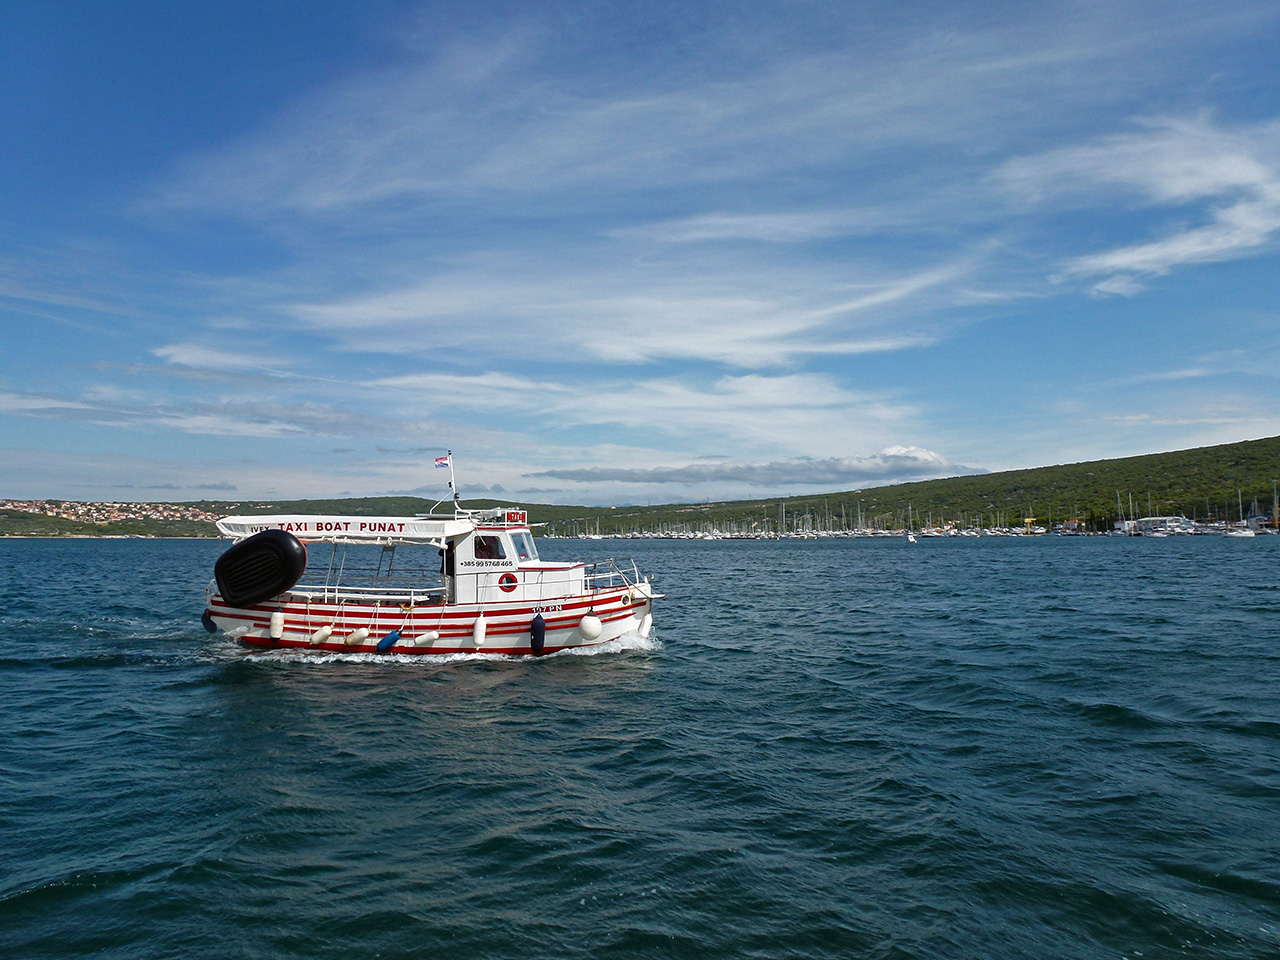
1141, 527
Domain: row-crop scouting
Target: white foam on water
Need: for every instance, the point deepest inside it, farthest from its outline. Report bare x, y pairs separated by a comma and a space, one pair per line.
627, 643
300, 655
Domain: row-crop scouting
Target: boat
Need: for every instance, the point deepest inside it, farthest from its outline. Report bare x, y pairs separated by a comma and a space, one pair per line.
1244, 530
467, 582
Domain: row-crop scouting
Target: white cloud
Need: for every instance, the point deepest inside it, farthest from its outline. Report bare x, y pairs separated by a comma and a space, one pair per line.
1229, 179
514, 119
704, 310
36, 405
891, 465
770, 415
1120, 286
770, 227
231, 418
1239, 229
41, 474
204, 357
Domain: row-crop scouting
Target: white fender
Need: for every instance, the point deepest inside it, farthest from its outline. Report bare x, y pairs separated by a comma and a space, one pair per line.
321, 635
277, 625
646, 625
590, 627
356, 637
477, 631
423, 639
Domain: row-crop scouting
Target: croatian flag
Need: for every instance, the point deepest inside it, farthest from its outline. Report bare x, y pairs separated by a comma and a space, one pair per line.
442, 461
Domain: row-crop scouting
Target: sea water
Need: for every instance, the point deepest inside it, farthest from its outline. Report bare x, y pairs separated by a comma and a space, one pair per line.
1047, 747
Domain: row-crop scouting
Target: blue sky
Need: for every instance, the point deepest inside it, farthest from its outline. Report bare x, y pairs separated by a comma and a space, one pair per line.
628, 253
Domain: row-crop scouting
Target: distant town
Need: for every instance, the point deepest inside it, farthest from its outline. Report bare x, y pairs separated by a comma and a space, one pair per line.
97, 512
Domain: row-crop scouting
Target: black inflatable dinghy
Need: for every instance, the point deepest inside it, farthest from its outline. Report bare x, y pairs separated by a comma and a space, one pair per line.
260, 567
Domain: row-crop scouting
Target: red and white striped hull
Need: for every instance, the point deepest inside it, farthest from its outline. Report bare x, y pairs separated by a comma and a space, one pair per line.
436, 628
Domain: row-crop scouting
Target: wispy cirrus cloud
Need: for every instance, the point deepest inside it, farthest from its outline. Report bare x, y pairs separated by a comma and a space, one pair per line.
248, 418
791, 413
793, 226
24, 472
893, 464
38, 405
1257, 361
205, 357
1227, 179
514, 118
800, 411
664, 311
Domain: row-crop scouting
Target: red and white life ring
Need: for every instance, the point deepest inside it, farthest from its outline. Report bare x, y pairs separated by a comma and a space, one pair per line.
507, 582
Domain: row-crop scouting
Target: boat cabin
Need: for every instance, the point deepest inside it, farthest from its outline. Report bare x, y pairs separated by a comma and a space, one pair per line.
498, 561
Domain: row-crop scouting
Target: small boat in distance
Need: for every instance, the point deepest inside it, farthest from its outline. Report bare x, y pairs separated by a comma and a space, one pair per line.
1243, 530
469, 582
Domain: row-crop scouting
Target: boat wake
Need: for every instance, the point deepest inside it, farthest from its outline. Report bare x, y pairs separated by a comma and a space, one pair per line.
627, 643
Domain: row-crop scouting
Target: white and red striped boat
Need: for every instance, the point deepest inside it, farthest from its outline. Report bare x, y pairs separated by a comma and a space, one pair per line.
469, 583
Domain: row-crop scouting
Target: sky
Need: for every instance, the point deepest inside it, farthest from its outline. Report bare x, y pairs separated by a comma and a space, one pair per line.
627, 253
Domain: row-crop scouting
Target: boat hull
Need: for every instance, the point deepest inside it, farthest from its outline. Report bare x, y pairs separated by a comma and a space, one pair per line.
348, 626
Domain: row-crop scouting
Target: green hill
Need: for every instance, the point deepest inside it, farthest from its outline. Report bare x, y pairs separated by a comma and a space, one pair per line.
1201, 483
1198, 483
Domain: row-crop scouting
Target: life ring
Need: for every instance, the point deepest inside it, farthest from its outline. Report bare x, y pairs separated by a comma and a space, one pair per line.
508, 582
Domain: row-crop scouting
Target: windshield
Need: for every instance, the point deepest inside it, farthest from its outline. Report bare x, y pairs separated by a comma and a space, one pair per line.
525, 550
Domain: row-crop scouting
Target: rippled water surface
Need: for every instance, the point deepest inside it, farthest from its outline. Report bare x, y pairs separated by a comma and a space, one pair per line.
1040, 748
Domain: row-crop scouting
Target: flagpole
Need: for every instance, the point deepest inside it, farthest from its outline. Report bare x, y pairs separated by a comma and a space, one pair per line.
452, 486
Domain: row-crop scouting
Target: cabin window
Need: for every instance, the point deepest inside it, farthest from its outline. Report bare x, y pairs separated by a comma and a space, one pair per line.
489, 548
525, 550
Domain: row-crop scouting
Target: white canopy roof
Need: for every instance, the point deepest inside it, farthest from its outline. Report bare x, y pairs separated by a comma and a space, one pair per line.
336, 529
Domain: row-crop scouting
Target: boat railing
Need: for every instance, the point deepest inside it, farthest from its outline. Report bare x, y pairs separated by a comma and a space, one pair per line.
417, 595
423, 586
613, 572
404, 585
